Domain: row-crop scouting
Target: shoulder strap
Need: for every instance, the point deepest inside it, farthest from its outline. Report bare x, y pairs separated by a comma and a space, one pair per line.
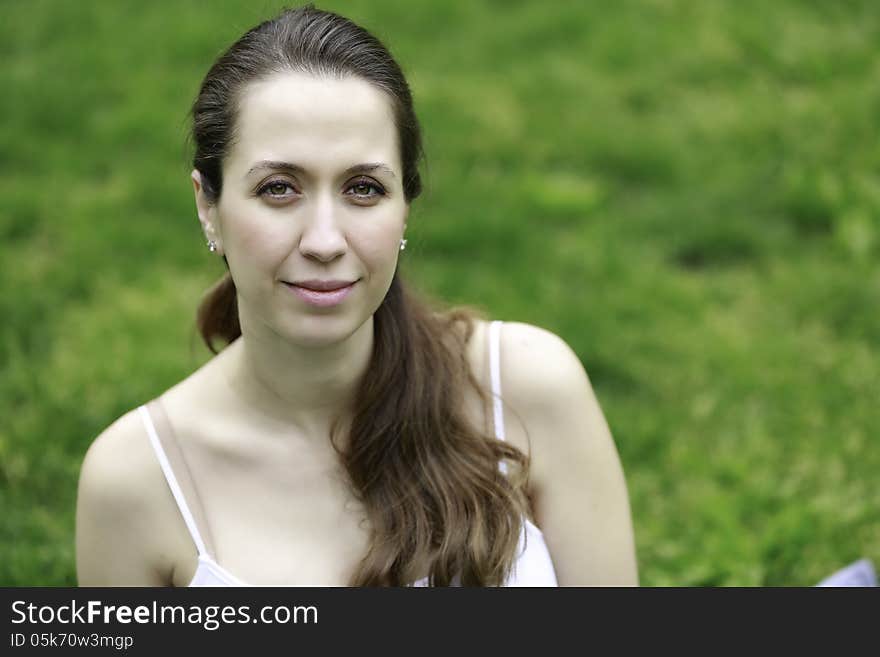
495, 375
172, 480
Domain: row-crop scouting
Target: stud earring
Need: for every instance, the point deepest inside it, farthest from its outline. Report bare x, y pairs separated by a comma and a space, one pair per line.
212, 246
402, 244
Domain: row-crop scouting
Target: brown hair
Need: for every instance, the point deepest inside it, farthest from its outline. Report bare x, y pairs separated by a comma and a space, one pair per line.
429, 480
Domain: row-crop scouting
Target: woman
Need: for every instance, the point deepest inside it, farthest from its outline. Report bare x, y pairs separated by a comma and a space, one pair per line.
345, 436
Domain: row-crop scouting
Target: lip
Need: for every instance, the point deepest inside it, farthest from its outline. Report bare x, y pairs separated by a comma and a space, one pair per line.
322, 298
322, 286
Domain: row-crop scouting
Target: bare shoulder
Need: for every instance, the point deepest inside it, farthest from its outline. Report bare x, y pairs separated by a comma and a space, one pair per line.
114, 456
577, 486
117, 508
544, 381
540, 371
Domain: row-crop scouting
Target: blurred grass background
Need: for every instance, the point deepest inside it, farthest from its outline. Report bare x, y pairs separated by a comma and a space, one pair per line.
686, 192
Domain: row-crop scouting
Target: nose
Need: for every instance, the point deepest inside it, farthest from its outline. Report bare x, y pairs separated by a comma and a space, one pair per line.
322, 237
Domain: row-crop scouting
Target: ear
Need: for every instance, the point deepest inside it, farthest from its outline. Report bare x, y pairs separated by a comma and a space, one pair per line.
207, 212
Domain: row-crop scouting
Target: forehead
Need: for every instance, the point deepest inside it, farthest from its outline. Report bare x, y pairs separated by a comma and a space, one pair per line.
315, 121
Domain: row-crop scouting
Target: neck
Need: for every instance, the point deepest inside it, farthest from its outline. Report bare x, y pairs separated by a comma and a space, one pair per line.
306, 387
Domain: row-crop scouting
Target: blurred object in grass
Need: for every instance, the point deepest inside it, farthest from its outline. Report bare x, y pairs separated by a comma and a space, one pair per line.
860, 573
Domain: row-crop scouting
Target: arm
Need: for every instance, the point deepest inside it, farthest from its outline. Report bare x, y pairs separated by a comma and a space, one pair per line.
577, 486
113, 513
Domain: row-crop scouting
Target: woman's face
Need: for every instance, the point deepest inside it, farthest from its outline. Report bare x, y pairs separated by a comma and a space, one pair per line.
312, 190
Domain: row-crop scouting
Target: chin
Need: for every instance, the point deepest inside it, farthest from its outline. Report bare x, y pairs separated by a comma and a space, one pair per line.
323, 330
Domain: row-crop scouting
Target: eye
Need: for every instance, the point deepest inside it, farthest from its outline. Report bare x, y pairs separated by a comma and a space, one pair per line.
276, 189
362, 187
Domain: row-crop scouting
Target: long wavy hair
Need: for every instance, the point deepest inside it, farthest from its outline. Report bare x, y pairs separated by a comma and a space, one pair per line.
428, 480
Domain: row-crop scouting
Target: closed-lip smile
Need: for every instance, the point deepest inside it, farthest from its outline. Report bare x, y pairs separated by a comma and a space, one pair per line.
322, 285
321, 294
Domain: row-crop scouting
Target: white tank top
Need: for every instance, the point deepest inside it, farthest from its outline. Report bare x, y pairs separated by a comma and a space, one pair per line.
532, 567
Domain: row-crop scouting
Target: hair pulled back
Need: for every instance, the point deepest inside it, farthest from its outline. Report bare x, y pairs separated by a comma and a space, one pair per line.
428, 480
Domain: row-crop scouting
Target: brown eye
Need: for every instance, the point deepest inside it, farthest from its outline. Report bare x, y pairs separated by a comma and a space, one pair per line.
362, 189
276, 188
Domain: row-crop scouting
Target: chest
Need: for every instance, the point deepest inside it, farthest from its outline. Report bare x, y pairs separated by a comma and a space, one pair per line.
277, 509
275, 513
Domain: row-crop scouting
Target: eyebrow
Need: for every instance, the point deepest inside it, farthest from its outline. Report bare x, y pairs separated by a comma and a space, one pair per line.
296, 168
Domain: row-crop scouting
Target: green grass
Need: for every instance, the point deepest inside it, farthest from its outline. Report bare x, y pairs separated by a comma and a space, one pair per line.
687, 192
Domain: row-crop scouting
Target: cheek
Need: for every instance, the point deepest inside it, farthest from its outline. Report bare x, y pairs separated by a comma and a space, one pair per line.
251, 232
377, 246
380, 240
